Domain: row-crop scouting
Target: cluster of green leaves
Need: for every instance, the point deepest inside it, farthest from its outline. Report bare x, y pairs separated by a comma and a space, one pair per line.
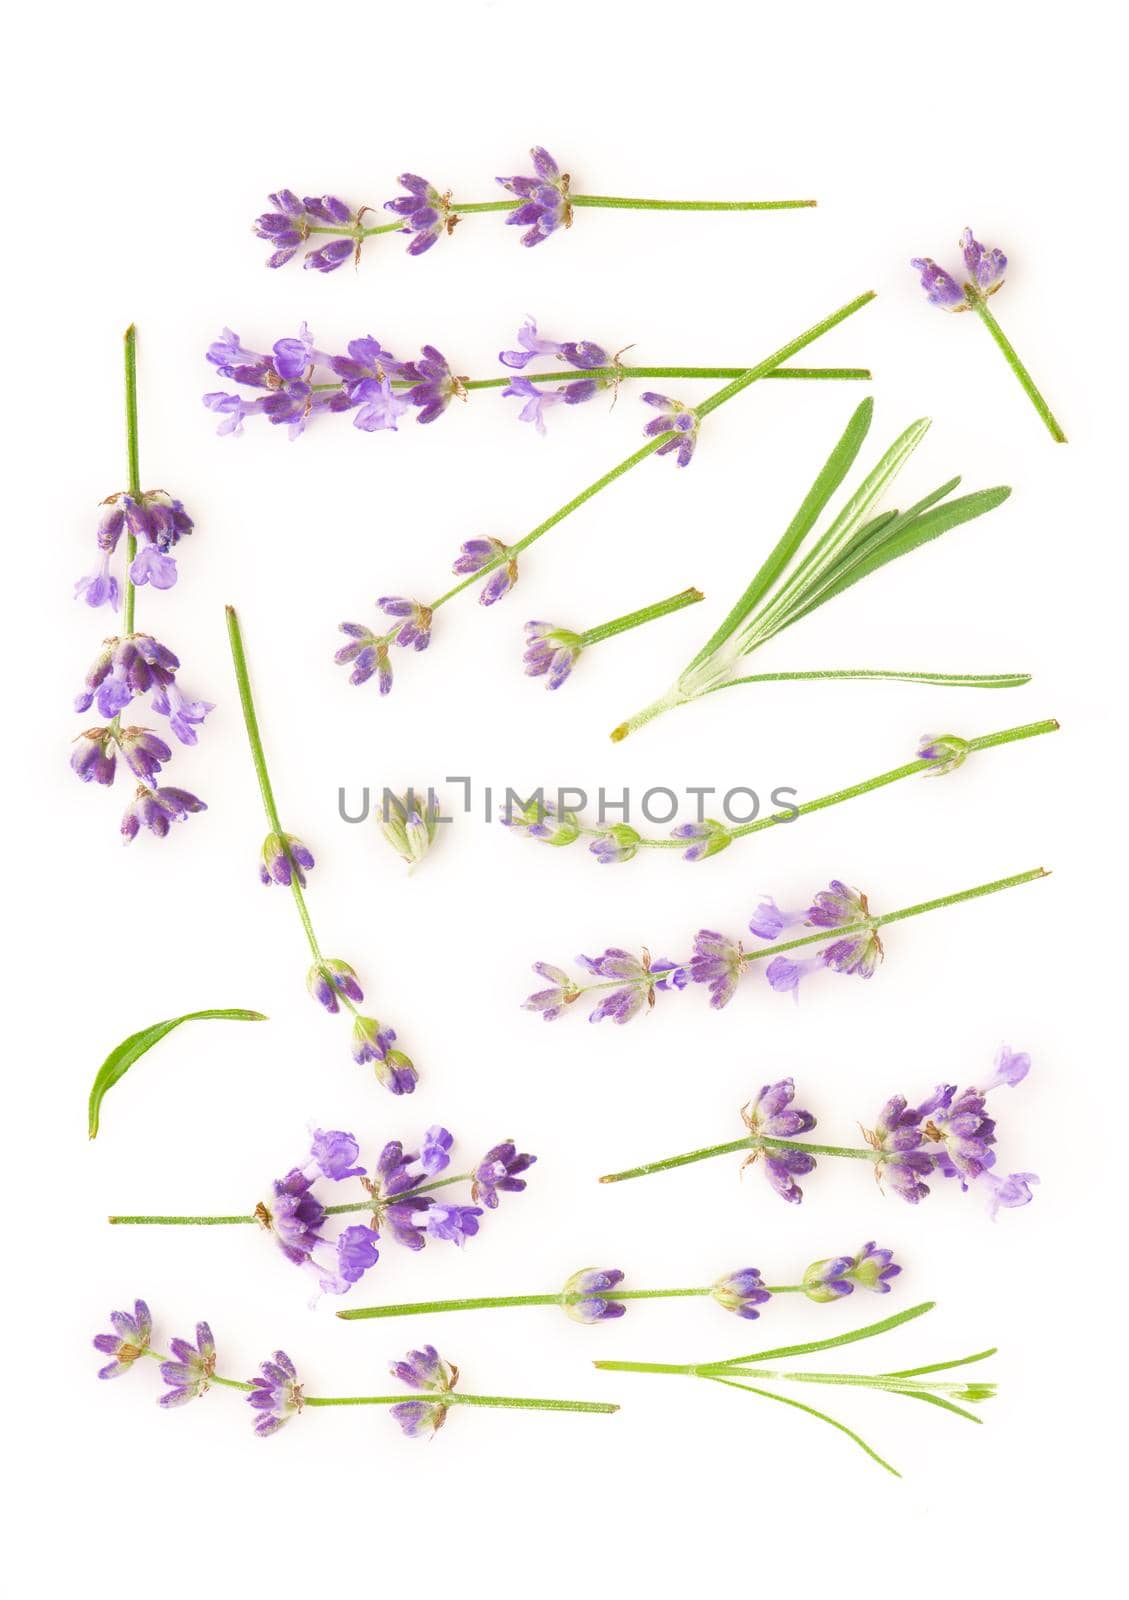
794, 581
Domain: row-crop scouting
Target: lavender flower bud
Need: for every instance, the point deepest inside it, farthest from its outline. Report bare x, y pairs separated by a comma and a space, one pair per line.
541, 819
371, 1042
708, 838
284, 858
947, 750
479, 553
592, 1284
409, 827
93, 758
742, 1292
677, 419
550, 652
327, 979
620, 843
395, 1071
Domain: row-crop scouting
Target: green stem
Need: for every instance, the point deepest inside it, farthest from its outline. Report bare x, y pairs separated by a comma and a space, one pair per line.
623, 203
980, 305
490, 1302
750, 1142
170, 1222
507, 1402
330, 1211
619, 372
129, 603
711, 404
635, 619
259, 760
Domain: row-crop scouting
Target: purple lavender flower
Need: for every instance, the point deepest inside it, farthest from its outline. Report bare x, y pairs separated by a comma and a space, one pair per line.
373, 1042
835, 1278
784, 975
144, 754
413, 621
100, 587
287, 227
284, 859
129, 1340
427, 1371
537, 400
334, 1153
427, 213
157, 810
499, 1173
454, 1224
705, 838
620, 843
545, 195
961, 1129
286, 375
551, 1002
276, 1395
479, 553
898, 1135
356, 1253
433, 384
189, 1374
328, 979
94, 758
835, 907
137, 665
593, 1284
769, 922
948, 750
985, 267
550, 652
676, 419
1014, 1190
533, 346
742, 1292
718, 962
940, 287
639, 979
771, 1115
367, 653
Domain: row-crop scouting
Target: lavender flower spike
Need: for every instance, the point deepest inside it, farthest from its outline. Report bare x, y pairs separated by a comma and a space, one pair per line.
129, 1340
546, 203
276, 1395
189, 1375
593, 1284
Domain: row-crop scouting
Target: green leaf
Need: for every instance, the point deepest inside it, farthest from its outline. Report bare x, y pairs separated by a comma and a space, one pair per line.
943, 1366
798, 1405
961, 680
939, 1400
852, 519
869, 1332
123, 1056
905, 538
831, 475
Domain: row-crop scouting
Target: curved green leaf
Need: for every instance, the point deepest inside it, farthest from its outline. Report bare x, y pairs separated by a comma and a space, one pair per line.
123, 1056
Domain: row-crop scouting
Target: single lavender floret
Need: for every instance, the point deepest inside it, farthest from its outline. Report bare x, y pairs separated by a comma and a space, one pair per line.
129, 1340
433, 384
94, 757
275, 1394
189, 1374
620, 843
706, 838
157, 810
413, 621
366, 654
550, 652
594, 1284
551, 1002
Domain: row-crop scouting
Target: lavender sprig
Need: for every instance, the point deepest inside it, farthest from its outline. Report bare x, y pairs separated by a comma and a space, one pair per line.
794, 581
297, 381
543, 203
613, 843
736, 1370
551, 652
596, 1295
368, 652
285, 860
984, 271
399, 1203
132, 664
848, 930
275, 1394
949, 1135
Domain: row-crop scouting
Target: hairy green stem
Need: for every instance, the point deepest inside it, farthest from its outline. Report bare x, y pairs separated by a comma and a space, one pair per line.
129, 602
635, 619
980, 305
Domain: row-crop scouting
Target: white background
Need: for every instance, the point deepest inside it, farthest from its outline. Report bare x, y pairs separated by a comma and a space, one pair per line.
144, 142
